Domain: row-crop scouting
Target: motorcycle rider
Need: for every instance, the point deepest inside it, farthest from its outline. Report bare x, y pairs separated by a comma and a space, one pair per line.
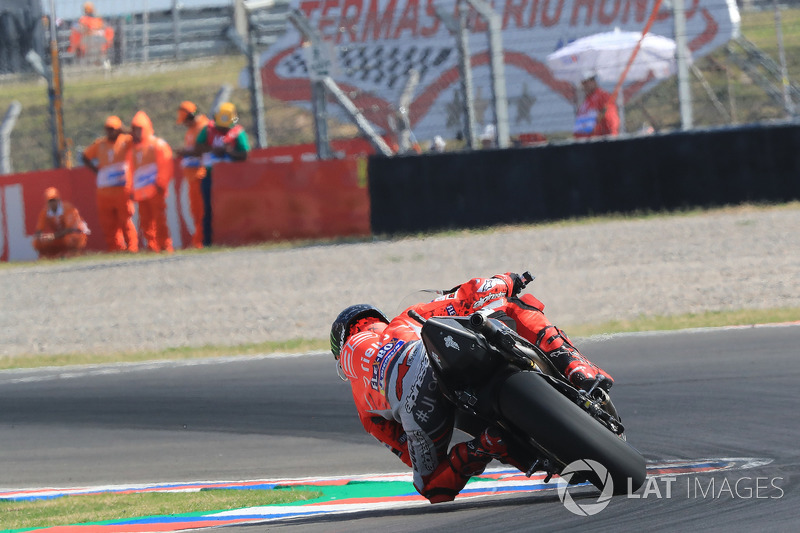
396, 392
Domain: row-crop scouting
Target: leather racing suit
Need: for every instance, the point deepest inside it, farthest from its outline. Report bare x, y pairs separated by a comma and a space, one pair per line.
397, 396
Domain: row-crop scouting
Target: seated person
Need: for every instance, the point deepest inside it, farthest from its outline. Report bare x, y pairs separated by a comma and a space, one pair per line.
60, 230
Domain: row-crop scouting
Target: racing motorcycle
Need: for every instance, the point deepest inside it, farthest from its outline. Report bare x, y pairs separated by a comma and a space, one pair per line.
496, 376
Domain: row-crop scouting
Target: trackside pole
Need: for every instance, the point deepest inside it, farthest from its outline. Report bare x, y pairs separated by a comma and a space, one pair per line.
619, 94
497, 67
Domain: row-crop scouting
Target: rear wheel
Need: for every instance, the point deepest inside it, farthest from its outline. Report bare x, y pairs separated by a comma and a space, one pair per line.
562, 428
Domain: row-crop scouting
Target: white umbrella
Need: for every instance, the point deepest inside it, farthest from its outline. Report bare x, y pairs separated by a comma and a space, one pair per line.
608, 53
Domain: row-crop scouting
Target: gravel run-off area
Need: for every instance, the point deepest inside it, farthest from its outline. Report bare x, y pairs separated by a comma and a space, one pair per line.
586, 272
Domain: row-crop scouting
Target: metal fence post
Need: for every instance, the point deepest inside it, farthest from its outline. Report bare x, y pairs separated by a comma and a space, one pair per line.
176, 28
6, 128
465, 65
682, 50
497, 67
146, 32
61, 157
788, 104
458, 29
256, 88
223, 95
245, 10
318, 69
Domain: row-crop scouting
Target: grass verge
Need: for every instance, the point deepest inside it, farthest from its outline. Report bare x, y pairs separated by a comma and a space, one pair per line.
655, 323
39, 360
709, 319
82, 509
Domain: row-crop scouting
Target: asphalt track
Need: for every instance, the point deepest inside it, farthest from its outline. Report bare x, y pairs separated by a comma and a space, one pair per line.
685, 395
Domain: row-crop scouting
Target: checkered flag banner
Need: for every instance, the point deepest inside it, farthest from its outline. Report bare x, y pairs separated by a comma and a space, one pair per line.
374, 44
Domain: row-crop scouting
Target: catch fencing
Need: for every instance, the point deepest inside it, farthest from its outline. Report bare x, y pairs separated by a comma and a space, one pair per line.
740, 83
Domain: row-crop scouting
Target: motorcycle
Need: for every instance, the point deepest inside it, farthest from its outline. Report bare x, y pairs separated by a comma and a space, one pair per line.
492, 374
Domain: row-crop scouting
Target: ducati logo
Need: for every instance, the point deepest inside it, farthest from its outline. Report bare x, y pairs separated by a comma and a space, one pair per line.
450, 343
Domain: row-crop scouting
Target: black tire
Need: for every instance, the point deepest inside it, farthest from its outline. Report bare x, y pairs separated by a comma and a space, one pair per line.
539, 411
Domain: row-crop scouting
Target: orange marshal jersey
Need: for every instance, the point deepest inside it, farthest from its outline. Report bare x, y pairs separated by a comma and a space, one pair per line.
193, 167
151, 162
112, 164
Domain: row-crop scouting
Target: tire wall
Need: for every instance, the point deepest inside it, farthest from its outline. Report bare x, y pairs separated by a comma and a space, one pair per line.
661, 172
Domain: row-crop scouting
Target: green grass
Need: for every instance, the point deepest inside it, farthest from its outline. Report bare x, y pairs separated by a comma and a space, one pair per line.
81, 509
742, 317
658, 323
158, 88
759, 27
39, 360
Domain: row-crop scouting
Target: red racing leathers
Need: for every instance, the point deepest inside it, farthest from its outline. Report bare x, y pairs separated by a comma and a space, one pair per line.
398, 400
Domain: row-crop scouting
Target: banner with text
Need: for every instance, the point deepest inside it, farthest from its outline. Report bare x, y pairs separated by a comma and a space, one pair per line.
371, 45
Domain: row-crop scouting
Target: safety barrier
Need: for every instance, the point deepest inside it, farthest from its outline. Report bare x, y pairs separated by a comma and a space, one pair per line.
254, 202
277, 194
285, 194
649, 173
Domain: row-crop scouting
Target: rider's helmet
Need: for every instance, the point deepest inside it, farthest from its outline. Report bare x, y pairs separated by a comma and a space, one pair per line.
340, 329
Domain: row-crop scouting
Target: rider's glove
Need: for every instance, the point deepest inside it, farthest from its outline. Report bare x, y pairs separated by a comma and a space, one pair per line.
518, 283
512, 281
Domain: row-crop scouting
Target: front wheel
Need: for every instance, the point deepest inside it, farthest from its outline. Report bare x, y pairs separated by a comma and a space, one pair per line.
567, 432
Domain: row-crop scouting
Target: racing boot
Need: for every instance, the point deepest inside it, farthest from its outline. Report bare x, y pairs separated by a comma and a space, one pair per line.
578, 370
466, 459
501, 446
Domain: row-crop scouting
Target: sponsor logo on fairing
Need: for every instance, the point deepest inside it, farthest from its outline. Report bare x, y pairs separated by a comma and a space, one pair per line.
451, 343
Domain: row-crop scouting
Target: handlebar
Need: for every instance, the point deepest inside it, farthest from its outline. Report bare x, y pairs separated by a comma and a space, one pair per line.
524, 278
490, 330
416, 316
